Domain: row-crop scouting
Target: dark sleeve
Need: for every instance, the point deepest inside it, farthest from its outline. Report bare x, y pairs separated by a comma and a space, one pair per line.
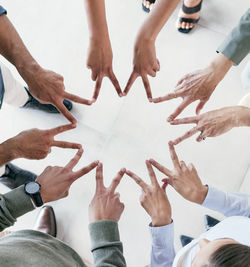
106, 245
2, 11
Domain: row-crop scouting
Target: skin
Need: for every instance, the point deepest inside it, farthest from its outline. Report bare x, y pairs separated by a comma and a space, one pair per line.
184, 179
56, 181
145, 61
207, 248
106, 204
34, 144
153, 198
100, 56
198, 85
214, 123
48, 86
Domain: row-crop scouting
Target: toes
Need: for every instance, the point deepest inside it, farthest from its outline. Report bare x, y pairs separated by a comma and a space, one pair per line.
183, 25
147, 4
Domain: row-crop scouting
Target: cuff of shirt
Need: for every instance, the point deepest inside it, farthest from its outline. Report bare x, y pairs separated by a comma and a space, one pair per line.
104, 233
2, 11
162, 236
215, 198
17, 202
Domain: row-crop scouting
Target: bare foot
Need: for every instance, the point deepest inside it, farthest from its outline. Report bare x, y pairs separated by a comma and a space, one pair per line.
147, 4
187, 25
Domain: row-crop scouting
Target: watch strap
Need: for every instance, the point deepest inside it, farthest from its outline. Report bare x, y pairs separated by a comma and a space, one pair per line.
37, 199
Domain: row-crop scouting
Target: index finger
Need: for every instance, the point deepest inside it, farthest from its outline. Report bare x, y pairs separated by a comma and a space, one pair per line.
62, 128
138, 180
151, 173
185, 120
77, 99
185, 136
60, 106
97, 86
99, 178
72, 163
147, 86
174, 156
85, 170
131, 80
160, 167
115, 82
169, 96
116, 181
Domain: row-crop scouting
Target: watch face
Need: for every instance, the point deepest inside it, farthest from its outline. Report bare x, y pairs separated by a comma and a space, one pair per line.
32, 188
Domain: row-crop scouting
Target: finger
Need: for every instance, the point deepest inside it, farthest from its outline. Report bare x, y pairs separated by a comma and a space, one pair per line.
93, 75
147, 86
131, 80
187, 120
160, 167
164, 186
185, 136
85, 170
179, 109
98, 85
183, 165
64, 144
151, 173
138, 180
203, 135
77, 99
99, 178
116, 181
200, 106
115, 83
175, 94
60, 106
62, 128
174, 156
72, 163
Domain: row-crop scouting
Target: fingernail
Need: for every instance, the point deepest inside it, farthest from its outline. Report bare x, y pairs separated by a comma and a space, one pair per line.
124, 94
150, 100
171, 143
169, 119
151, 160
93, 100
121, 94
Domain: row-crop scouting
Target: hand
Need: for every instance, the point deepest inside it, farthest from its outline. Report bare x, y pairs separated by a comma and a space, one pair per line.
36, 144
212, 123
106, 203
100, 62
184, 179
145, 63
198, 85
153, 198
48, 87
56, 181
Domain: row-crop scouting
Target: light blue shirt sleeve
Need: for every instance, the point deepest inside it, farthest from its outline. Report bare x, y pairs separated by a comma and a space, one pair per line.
229, 204
162, 252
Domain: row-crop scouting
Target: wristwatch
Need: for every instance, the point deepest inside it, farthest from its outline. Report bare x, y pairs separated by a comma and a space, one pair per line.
33, 190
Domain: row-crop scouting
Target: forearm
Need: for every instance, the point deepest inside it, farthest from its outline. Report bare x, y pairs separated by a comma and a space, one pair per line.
96, 15
7, 152
157, 19
229, 204
243, 116
13, 205
106, 245
14, 50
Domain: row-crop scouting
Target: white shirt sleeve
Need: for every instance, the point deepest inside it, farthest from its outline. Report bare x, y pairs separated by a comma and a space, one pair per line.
162, 253
229, 204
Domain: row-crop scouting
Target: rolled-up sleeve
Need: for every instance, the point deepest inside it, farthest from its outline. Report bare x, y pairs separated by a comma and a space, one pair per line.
236, 46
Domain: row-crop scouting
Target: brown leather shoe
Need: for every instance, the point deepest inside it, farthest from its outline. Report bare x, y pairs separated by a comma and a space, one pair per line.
46, 221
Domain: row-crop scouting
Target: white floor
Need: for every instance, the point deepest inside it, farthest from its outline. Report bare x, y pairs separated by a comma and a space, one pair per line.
124, 132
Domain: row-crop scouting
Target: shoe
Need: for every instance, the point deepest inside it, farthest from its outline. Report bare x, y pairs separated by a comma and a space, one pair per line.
15, 176
189, 10
210, 222
146, 9
185, 240
32, 103
46, 221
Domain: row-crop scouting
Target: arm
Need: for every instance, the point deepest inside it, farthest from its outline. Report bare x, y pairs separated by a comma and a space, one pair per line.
47, 86
55, 183
237, 44
100, 54
155, 201
145, 61
229, 204
105, 211
106, 246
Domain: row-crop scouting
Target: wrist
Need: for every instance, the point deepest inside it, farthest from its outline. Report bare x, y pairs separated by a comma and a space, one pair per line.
8, 149
28, 70
242, 116
143, 40
201, 195
158, 221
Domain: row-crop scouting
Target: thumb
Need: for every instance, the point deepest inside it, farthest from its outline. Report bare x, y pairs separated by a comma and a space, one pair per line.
200, 106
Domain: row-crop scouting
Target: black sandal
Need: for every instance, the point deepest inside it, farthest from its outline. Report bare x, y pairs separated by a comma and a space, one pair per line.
189, 10
144, 8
